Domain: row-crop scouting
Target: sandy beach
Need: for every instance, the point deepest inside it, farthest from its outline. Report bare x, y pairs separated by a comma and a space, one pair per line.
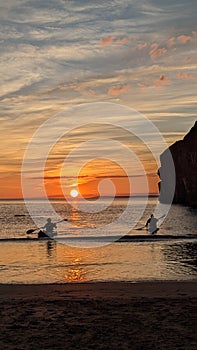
111, 315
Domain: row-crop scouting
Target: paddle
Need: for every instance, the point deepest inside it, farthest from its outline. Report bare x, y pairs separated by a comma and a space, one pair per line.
140, 228
39, 228
162, 216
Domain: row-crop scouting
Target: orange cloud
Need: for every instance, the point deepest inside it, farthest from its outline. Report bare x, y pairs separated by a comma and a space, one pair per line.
162, 77
78, 88
122, 41
91, 93
184, 38
111, 40
162, 81
184, 75
107, 41
141, 85
141, 46
156, 51
118, 90
171, 41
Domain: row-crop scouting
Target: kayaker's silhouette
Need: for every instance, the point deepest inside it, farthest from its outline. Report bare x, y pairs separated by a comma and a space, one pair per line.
49, 226
151, 224
48, 229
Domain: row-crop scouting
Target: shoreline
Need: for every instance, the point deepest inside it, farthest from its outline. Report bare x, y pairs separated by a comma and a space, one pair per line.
104, 239
112, 289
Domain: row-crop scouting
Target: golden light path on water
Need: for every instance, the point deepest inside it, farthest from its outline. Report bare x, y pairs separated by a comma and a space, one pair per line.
49, 262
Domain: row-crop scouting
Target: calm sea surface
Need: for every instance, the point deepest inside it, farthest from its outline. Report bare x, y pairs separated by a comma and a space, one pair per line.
50, 261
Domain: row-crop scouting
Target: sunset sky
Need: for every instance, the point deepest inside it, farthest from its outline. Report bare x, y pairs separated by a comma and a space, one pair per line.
57, 54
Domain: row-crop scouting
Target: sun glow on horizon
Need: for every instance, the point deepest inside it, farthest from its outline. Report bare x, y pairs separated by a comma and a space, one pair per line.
74, 193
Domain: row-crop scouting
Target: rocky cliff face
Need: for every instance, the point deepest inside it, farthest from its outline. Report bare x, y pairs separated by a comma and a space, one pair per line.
184, 154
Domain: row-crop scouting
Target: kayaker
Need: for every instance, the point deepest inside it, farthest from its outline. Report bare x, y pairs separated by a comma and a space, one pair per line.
49, 227
151, 224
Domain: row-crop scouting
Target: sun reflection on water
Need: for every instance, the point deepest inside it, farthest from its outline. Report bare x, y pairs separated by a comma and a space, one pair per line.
75, 273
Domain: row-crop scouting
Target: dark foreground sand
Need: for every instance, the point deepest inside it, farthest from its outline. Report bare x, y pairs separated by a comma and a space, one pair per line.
156, 315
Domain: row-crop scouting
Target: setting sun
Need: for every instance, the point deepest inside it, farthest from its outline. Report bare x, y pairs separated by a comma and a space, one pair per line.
74, 193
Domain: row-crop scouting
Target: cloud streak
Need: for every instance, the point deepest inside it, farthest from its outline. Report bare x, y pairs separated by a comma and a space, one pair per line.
118, 90
184, 75
156, 51
107, 41
111, 39
184, 39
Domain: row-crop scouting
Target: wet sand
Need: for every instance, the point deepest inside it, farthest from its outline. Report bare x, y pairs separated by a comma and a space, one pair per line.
111, 315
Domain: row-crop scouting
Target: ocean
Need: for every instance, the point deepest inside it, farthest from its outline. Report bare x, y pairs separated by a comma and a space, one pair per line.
54, 262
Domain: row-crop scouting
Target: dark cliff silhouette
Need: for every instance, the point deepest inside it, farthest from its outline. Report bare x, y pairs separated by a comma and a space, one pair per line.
184, 154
